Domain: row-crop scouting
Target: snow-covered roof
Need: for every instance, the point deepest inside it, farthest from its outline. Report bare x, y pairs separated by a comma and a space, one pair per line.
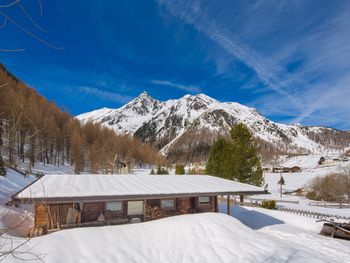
87, 186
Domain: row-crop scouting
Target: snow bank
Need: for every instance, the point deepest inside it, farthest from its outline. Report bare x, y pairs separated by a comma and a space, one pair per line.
293, 230
201, 238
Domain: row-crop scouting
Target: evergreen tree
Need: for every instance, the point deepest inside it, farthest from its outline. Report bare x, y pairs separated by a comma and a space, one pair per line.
219, 158
2, 167
281, 182
237, 158
152, 171
179, 169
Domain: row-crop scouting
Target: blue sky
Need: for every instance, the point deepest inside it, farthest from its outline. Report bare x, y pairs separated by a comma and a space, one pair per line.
288, 59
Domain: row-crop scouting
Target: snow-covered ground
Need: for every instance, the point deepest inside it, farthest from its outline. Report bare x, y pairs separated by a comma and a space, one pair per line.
254, 235
251, 235
48, 168
11, 183
310, 169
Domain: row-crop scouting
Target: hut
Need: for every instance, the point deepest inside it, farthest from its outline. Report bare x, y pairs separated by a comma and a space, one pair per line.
295, 169
67, 201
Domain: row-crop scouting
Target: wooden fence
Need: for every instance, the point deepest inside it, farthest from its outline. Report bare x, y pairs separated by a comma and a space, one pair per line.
300, 212
312, 214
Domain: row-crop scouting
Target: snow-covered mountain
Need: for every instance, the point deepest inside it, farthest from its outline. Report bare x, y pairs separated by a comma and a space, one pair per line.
185, 128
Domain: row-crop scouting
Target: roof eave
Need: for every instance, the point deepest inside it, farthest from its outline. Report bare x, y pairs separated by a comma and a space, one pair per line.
26, 200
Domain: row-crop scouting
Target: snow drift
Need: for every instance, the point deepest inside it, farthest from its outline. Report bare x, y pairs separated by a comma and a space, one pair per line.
206, 237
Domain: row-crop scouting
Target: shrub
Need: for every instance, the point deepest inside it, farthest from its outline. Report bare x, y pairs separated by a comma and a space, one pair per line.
179, 169
333, 187
269, 204
161, 170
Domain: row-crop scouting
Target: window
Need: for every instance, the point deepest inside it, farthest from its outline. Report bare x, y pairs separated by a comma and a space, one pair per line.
204, 200
135, 208
167, 204
114, 206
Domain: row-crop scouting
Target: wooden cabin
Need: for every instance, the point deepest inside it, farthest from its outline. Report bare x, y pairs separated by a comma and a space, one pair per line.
67, 201
294, 169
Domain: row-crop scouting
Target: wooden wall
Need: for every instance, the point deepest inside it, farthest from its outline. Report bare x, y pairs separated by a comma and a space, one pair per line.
208, 207
50, 215
185, 205
91, 211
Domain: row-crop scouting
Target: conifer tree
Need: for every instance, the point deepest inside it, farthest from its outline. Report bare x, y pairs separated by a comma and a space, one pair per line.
218, 159
281, 182
2, 167
237, 158
152, 171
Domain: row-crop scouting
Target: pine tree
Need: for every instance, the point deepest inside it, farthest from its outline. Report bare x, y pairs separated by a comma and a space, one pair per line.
152, 171
219, 158
179, 169
2, 167
237, 158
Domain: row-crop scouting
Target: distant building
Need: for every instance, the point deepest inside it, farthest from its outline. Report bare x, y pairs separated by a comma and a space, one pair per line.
294, 169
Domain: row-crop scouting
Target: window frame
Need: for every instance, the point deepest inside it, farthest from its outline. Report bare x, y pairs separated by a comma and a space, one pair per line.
204, 203
138, 214
115, 211
168, 208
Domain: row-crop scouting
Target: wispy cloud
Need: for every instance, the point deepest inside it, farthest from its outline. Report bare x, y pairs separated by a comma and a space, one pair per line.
269, 72
187, 88
105, 95
304, 93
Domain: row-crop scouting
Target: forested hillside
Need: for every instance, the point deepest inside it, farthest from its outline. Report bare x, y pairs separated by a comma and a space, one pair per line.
34, 129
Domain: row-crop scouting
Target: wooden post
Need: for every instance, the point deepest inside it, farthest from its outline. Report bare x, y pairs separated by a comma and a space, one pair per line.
228, 204
144, 209
241, 199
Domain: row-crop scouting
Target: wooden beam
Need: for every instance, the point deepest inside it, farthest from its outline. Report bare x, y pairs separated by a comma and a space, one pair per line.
144, 209
124, 197
228, 204
241, 199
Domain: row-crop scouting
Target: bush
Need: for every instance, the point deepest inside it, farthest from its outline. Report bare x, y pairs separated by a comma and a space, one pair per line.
269, 204
333, 187
312, 195
179, 169
161, 170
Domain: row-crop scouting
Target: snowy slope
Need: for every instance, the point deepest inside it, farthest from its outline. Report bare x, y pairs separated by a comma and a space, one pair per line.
196, 120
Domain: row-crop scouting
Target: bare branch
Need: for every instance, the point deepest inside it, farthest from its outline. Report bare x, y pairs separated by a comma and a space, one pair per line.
3, 85
28, 32
12, 50
40, 7
3, 24
10, 4
30, 18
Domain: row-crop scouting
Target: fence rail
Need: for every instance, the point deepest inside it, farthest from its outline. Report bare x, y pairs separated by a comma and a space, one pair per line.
311, 213
301, 212
277, 200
